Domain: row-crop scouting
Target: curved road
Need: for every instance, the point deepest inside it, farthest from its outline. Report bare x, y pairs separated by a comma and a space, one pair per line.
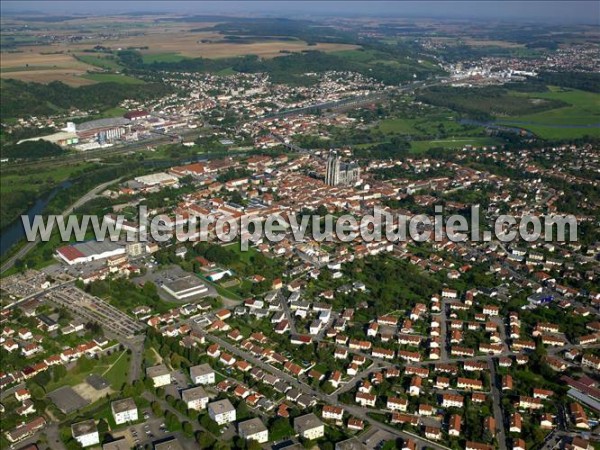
30, 245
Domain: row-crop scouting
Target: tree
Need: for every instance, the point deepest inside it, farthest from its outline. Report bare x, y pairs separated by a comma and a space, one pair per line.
37, 392
210, 425
59, 371
187, 428
281, 428
156, 409
242, 411
204, 439
149, 289
222, 445
102, 426
253, 445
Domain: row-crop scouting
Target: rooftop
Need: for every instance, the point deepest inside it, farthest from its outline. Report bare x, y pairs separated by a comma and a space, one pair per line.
102, 123
221, 406
194, 393
119, 406
252, 426
82, 428
306, 422
157, 371
199, 370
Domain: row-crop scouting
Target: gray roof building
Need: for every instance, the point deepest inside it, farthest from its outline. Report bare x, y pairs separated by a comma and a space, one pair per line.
157, 371
306, 422
250, 427
220, 407
119, 406
200, 370
195, 393
83, 428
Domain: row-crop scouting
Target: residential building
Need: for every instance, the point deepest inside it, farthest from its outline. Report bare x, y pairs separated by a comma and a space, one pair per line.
124, 411
221, 411
254, 429
309, 427
86, 433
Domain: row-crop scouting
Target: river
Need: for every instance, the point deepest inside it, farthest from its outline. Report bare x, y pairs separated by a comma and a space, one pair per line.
13, 233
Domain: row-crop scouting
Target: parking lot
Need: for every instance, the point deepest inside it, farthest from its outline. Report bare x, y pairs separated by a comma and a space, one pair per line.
146, 432
179, 381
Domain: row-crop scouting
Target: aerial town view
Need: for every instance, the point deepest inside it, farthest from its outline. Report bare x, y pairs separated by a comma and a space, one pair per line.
300, 225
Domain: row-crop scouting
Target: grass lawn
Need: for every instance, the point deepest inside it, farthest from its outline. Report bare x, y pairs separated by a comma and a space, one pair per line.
104, 364
162, 57
39, 180
221, 290
100, 61
117, 374
457, 143
113, 112
397, 125
583, 109
427, 125
112, 78
150, 357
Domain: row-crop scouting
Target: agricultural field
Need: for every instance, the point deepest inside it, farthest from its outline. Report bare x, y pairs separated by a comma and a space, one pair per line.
37, 64
164, 42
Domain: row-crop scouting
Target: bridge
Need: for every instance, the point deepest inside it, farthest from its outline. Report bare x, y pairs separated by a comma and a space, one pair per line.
291, 146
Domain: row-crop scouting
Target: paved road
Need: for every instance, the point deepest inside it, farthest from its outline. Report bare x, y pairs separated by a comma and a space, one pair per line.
10, 391
444, 330
354, 410
136, 346
288, 314
495, 381
31, 245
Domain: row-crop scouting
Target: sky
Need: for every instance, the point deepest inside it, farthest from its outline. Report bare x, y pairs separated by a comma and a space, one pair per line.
565, 12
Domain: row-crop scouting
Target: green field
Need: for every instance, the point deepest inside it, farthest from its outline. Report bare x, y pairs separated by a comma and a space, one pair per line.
117, 374
358, 55
113, 112
103, 62
112, 78
226, 72
162, 57
458, 143
429, 125
113, 367
583, 109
